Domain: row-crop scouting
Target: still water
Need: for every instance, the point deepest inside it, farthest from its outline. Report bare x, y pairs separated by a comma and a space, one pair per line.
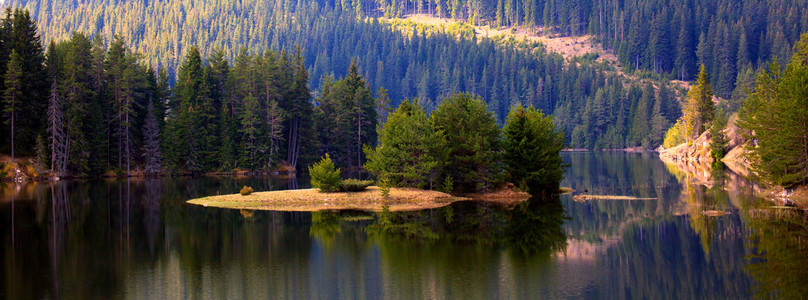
139, 239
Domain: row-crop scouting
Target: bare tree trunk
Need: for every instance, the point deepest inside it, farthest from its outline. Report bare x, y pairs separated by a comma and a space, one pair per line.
12, 131
359, 145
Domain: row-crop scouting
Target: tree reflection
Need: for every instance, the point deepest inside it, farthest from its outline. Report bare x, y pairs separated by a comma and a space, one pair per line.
536, 226
325, 225
532, 227
779, 238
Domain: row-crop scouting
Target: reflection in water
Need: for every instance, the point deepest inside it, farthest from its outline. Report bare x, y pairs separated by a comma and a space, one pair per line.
138, 238
780, 240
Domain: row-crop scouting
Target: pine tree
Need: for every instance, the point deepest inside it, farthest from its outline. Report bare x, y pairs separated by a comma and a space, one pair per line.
775, 115
411, 152
77, 84
641, 127
473, 141
153, 157
24, 39
184, 144
274, 123
250, 129
699, 110
532, 147
12, 96
383, 107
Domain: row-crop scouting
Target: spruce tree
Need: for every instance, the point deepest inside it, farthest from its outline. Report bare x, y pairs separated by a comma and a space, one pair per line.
699, 110
411, 151
775, 116
473, 142
12, 96
153, 158
250, 129
532, 147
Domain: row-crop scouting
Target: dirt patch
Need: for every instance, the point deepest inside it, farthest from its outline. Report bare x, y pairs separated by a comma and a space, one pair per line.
566, 46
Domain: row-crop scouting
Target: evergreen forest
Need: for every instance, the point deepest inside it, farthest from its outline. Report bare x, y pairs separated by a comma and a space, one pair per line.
594, 104
253, 85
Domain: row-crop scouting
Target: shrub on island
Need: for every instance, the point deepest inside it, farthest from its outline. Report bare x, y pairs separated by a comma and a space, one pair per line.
246, 190
324, 176
354, 185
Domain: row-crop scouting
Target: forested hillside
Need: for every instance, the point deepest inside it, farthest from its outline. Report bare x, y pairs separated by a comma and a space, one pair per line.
596, 107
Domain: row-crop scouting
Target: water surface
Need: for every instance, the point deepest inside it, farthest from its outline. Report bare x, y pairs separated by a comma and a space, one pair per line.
139, 239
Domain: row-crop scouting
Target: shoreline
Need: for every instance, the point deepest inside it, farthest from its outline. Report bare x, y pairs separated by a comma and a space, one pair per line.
629, 150
371, 200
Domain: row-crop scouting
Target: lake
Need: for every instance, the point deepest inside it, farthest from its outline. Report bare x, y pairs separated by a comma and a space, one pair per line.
139, 239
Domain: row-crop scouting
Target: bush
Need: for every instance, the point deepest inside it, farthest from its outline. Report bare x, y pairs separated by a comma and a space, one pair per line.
384, 187
675, 136
448, 185
324, 176
246, 190
354, 185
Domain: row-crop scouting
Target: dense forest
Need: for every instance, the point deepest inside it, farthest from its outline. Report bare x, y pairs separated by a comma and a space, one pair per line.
429, 65
82, 107
728, 37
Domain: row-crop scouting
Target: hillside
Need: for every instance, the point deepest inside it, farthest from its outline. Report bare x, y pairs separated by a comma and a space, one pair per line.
595, 108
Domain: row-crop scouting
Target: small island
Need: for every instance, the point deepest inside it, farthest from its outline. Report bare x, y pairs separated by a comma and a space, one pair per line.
371, 199
419, 154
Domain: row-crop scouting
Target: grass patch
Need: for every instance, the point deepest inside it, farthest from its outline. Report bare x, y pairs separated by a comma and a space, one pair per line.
400, 199
354, 185
583, 197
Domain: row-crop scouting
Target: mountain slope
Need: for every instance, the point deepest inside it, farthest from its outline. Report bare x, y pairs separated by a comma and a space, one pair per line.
596, 108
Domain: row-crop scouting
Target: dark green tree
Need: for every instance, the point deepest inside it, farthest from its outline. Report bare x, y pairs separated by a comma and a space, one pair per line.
473, 142
12, 96
411, 151
532, 150
775, 116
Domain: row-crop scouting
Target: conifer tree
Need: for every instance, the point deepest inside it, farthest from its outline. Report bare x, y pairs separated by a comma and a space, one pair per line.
699, 110
77, 84
250, 129
153, 157
775, 116
411, 151
12, 96
532, 147
473, 142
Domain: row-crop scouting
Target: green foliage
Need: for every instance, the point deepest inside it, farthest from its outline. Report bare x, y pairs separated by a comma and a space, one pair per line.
532, 150
503, 71
246, 190
12, 96
346, 117
675, 135
354, 185
775, 118
718, 142
384, 187
324, 176
473, 142
411, 151
448, 185
699, 110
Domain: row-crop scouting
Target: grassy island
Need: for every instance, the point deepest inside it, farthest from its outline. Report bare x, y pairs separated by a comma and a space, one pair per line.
399, 199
